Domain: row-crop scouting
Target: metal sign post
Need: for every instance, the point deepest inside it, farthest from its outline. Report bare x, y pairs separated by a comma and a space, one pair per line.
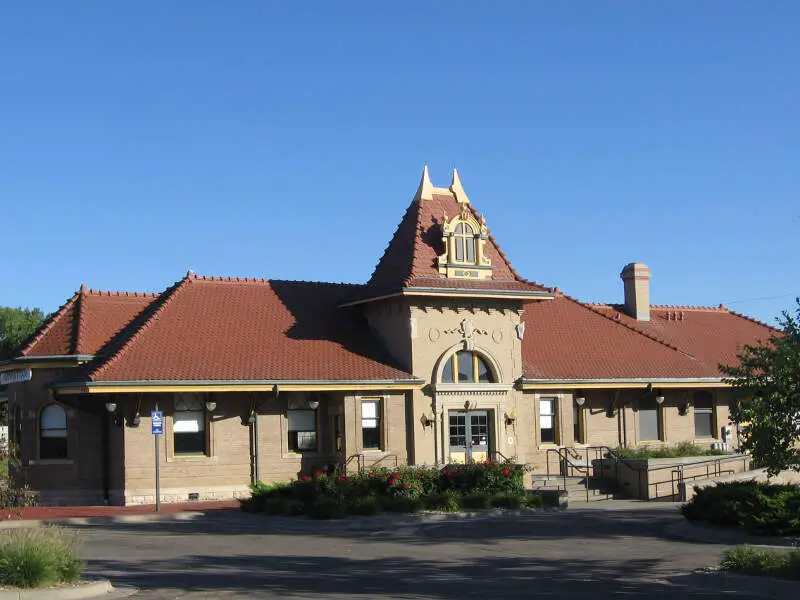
157, 426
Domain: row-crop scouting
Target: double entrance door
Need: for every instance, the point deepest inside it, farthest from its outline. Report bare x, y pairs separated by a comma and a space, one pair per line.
469, 436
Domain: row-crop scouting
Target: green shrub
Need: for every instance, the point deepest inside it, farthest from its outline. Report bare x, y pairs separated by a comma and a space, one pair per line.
447, 501
759, 508
38, 557
533, 500
477, 500
684, 449
509, 500
327, 507
758, 561
366, 506
402, 504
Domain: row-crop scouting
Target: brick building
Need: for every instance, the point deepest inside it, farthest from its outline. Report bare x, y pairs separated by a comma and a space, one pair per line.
446, 354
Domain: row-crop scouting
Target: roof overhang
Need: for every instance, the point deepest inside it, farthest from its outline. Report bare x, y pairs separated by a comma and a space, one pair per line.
45, 362
527, 383
458, 293
284, 385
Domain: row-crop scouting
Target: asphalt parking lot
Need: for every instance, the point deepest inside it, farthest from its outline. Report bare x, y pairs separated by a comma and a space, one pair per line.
578, 553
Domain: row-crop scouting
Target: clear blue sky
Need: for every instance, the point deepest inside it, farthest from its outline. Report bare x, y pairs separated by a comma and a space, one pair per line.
139, 139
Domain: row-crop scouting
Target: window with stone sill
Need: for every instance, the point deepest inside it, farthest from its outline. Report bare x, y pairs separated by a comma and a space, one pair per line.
301, 417
547, 420
371, 424
467, 367
189, 425
703, 415
53, 432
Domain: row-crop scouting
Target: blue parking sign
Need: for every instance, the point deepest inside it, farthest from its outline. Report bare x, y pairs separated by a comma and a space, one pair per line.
157, 422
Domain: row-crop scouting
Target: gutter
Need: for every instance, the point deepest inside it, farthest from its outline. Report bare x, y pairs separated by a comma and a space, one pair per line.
530, 383
35, 360
237, 385
458, 292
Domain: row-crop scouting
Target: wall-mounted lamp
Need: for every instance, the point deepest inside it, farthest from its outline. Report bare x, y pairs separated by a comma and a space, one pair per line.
659, 400
426, 420
580, 400
111, 406
511, 417
211, 406
313, 404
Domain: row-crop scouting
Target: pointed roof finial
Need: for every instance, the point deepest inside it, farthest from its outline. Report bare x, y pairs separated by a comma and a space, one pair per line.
190, 274
84, 288
458, 189
425, 189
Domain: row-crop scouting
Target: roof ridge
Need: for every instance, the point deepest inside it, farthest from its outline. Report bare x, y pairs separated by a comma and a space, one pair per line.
79, 319
119, 293
720, 308
415, 205
630, 327
46, 326
227, 279
751, 319
155, 309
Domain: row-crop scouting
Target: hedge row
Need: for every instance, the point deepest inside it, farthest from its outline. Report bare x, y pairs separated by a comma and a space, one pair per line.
759, 508
408, 489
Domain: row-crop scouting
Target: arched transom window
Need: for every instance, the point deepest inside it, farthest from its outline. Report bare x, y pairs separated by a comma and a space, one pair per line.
464, 242
467, 367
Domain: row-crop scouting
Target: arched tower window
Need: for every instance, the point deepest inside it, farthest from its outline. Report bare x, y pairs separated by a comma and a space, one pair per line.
467, 367
53, 432
464, 242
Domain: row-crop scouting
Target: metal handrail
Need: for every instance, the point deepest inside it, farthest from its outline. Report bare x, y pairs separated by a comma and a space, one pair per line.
358, 458
384, 457
501, 455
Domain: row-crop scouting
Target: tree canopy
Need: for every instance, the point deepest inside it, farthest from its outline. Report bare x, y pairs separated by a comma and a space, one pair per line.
16, 324
767, 384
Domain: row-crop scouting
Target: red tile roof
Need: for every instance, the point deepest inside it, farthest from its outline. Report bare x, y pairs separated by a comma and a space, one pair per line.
85, 323
565, 339
713, 336
225, 329
410, 260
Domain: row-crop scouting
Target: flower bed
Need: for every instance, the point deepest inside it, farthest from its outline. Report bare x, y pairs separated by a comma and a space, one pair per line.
759, 508
407, 489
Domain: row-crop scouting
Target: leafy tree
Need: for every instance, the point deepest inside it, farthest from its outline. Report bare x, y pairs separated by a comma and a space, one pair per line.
16, 324
767, 384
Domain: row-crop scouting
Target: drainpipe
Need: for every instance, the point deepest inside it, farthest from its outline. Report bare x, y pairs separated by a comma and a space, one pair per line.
106, 456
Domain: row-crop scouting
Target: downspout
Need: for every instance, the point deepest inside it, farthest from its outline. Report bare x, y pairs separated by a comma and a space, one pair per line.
106, 456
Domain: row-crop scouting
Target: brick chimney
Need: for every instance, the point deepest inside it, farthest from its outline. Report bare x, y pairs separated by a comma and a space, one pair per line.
636, 277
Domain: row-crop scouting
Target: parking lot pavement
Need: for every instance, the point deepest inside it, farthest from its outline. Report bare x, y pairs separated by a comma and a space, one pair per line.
571, 554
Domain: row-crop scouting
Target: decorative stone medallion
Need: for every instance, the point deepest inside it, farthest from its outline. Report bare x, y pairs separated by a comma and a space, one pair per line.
497, 336
434, 334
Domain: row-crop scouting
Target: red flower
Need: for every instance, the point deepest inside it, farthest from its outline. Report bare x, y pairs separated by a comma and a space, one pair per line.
407, 486
318, 474
505, 471
305, 478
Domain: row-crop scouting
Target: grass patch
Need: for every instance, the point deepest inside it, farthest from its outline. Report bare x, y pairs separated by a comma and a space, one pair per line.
759, 561
682, 450
39, 557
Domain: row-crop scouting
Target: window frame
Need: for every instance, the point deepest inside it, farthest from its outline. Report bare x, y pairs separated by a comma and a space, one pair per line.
659, 421
379, 420
451, 366
554, 402
709, 411
41, 429
464, 242
301, 404
203, 435
578, 424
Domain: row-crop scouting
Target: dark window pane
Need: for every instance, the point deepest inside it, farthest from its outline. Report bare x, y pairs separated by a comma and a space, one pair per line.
548, 435
190, 443
484, 373
371, 438
466, 372
447, 372
53, 447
